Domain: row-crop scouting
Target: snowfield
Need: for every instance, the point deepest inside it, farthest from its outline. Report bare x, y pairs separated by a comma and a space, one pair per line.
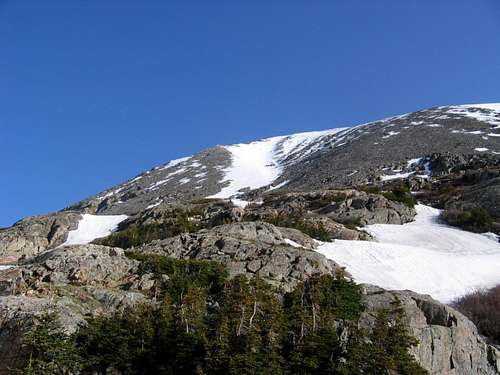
259, 163
92, 227
424, 256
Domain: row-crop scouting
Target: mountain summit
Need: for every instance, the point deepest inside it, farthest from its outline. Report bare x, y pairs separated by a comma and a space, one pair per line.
359, 233
315, 160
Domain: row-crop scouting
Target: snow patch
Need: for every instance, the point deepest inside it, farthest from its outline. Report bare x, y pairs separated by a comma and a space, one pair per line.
91, 227
413, 162
259, 163
481, 149
424, 256
389, 177
390, 134
154, 205
292, 243
173, 163
281, 184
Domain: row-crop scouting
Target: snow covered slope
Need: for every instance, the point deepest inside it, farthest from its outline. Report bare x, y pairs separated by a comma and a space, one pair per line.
258, 164
424, 256
92, 227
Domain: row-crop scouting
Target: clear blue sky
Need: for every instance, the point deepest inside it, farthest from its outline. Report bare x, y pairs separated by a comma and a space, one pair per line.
94, 93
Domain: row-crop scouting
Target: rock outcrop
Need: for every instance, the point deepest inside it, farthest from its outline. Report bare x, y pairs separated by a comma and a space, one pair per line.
282, 256
347, 206
449, 343
36, 234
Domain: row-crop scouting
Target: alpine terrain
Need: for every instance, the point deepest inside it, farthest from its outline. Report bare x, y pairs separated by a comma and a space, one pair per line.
337, 251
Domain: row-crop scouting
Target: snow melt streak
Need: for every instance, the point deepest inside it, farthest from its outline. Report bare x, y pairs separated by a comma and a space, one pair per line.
442, 261
259, 163
91, 227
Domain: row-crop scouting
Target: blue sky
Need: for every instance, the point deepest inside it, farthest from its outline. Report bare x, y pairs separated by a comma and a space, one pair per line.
94, 92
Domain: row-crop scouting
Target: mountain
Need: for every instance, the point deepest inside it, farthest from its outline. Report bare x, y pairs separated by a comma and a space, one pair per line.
316, 160
409, 204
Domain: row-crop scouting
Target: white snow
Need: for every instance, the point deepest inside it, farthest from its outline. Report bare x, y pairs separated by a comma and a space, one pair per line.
281, 184
5, 267
390, 134
481, 149
184, 180
173, 163
91, 227
413, 161
167, 178
424, 256
253, 166
493, 135
292, 243
259, 163
200, 175
154, 205
490, 106
388, 177
488, 113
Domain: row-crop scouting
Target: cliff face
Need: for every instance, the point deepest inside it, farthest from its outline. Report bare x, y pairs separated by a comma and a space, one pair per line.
448, 341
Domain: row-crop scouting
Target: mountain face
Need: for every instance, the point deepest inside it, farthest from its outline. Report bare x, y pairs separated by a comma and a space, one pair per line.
366, 203
306, 161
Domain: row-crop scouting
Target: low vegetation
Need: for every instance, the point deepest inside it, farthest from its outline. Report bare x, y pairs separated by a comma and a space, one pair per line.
201, 322
476, 219
176, 223
483, 308
397, 193
401, 193
316, 230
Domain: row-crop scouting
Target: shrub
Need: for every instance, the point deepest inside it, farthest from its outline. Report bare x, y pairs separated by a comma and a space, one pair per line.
401, 193
204, 323
316, 230
483, 308
51, 351
476, 219
370, 189
137, 235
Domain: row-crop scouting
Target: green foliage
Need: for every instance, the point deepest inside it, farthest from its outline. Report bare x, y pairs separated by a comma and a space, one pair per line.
204, 323
316, 230
384, 350
370, 189
477, 219
183, 274
178, 222
401, 193
51, 352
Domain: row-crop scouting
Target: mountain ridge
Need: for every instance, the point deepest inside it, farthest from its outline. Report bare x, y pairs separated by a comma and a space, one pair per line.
337, 157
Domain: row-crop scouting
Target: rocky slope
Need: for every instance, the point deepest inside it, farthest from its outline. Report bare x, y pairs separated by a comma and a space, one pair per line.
317, 160
260, 209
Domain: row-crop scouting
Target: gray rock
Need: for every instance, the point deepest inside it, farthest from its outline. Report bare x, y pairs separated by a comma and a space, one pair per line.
80, 265
34, 235
251, 248
448, 342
